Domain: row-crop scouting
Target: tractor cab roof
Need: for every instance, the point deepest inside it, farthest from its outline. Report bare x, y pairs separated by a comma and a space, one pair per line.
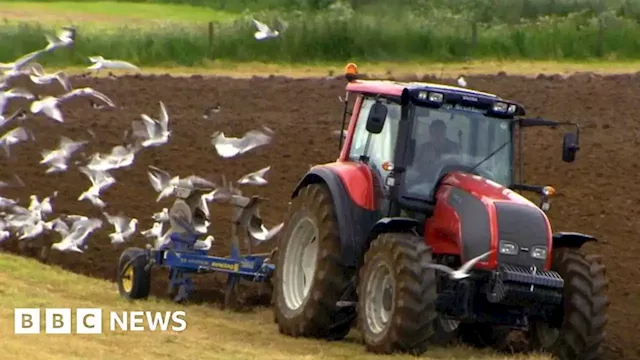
395, 88
433, 94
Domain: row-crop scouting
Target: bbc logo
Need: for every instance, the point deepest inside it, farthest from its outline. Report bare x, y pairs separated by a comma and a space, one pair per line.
57, 321
89, 321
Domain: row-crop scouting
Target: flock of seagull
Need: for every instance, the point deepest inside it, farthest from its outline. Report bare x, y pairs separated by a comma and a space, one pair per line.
30, 222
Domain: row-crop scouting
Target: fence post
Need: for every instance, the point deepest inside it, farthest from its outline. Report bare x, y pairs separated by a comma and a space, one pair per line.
600, 39
210, 40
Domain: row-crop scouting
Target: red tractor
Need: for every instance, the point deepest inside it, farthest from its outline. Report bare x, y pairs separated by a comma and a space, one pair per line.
425, 182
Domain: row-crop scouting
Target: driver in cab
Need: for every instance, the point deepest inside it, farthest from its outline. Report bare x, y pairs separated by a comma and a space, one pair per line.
438, 144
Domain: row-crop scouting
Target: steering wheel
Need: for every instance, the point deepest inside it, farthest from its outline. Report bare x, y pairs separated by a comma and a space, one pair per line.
446, 164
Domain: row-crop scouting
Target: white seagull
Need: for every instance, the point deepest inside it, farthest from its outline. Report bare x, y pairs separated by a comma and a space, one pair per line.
255, 178
462, 82
229, 146
463, 271
64, 38
205, 244
19, 115
101, 63
120, 157
264, 32
124, 227
13, 137
57, 158
100, 180
154, 232
161, 216
154, 132
74, 239
14, 93
162, 182
20, 63
262, 234
39, 77
49, 104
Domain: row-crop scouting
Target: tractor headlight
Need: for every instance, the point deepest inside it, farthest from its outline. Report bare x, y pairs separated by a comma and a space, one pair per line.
508, 248
539, 252
500, 107
436, 97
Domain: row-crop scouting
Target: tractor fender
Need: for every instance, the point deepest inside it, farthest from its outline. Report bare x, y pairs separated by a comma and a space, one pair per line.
573, 240
354, 221
392, 224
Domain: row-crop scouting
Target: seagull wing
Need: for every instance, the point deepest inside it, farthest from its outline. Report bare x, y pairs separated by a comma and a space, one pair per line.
19, 93
63, 79
91, 174
263, 172
96, 59
14, 136
119, 64
24, 60
262, 27
87, 91
262, 234
158, 178
441, 267
151, 125
469, 264
164, 117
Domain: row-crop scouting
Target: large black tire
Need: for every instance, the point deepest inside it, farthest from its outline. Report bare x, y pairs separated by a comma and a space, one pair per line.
134, 280
317, 316
584, 313
411, 322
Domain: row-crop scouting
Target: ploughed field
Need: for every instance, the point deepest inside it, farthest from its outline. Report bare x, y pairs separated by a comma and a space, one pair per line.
597, 194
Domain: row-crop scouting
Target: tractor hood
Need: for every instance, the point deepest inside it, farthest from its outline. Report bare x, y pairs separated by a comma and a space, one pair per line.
484, 189
481, 215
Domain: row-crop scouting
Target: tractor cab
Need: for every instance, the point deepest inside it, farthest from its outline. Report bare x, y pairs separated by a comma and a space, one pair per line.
413, 134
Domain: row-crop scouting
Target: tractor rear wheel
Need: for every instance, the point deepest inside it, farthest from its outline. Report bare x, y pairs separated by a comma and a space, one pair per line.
396, 295
134, 280
583, 315
310, 276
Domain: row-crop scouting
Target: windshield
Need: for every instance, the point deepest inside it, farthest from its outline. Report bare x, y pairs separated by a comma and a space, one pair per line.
453, 138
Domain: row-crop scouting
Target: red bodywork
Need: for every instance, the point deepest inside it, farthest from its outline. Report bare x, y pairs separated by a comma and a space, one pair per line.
442, 230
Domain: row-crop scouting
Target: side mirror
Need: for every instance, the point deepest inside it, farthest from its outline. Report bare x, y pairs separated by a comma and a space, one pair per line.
377, 116
569, 147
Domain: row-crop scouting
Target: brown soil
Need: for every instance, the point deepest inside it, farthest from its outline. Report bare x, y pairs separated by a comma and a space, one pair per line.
597, 193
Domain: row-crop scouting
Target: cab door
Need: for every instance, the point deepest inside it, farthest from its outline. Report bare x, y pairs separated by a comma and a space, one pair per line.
376, 149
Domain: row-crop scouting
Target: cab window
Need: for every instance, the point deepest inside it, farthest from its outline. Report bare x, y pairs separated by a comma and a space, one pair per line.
381, 146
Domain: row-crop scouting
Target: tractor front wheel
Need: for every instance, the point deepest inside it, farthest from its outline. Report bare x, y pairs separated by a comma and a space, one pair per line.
133, 278
581, 333
396, 295
310, 276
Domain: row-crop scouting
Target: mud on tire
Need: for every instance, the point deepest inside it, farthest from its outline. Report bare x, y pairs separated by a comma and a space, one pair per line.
411, 312
316, 314
581, 334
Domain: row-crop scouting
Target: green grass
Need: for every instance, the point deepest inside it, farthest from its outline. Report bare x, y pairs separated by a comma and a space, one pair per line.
110, 12
220, 335
333, 35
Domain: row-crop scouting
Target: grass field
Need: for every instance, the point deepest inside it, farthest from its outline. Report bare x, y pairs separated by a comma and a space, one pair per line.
210, 332
108, 12
170, 34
